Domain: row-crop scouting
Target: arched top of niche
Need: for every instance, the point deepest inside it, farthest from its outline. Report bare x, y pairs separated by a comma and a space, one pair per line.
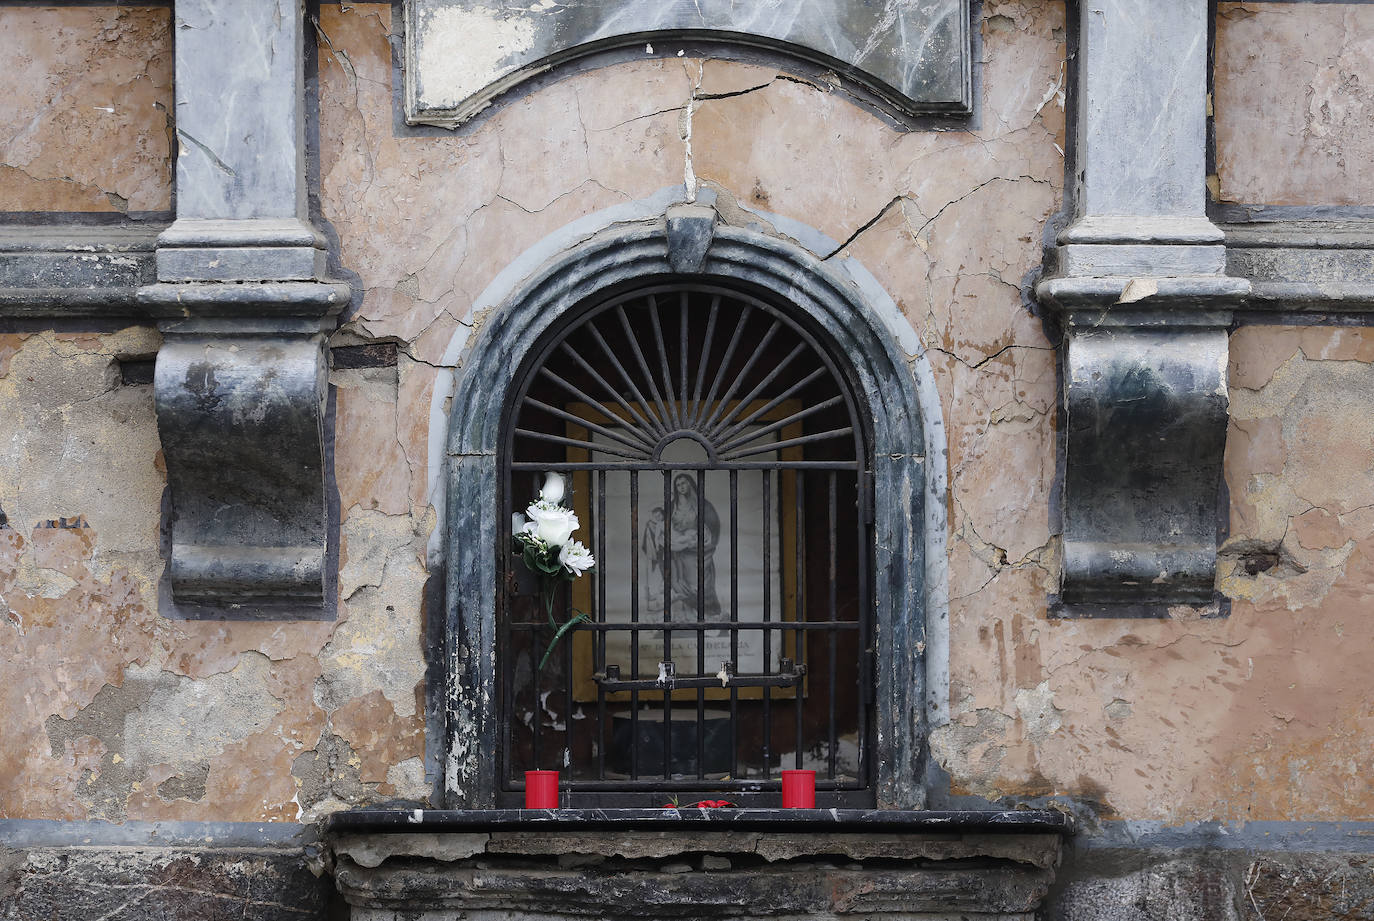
914, 55
686, 244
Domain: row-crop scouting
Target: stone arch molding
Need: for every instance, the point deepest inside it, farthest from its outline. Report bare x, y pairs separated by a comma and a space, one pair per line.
686, 241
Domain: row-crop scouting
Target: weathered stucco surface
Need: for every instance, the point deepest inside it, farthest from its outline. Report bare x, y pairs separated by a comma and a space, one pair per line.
1264, 715
1293, 104
115, 712
85, 108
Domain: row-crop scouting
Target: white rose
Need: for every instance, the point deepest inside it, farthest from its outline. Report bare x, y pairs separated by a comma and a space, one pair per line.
553, 490
552, 524
576, 558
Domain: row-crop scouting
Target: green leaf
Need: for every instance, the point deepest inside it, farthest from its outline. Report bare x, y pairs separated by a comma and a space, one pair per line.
572, 622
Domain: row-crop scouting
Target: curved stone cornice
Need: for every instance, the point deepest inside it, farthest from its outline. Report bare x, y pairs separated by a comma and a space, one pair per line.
915, 55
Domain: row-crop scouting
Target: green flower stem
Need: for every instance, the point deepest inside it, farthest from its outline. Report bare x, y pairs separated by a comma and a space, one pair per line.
548, 591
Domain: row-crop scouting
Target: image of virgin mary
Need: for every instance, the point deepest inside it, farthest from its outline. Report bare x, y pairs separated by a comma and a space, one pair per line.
671, 540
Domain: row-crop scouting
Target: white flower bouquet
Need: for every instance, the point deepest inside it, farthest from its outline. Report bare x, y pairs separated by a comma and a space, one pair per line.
542, 537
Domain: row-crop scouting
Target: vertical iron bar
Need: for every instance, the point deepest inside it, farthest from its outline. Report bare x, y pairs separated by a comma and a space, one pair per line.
634, 620
799, 609
536, 650
682, 360
697, 407
701, 615
830, 526
734, 615
599, 655
667, 620
565, 590
866, 677
671, 409
767, 632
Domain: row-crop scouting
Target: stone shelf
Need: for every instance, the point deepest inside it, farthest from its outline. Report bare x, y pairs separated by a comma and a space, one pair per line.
572, 864
1025, 821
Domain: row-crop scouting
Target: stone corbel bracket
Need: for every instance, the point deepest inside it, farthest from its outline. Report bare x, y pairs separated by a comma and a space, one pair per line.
915, 55
1145, 404
1139, 283
240, 391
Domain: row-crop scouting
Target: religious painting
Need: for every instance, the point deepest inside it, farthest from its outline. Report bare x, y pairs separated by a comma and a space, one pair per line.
689, 546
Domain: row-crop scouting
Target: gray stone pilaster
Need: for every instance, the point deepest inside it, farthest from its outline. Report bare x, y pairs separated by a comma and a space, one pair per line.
244, 306
1139, 280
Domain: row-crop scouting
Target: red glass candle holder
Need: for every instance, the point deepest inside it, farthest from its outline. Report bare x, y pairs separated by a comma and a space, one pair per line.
799, 789
541, 789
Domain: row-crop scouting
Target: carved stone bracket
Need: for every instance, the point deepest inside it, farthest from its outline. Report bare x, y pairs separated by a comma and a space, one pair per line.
1145, 429
240, 409
244, 305
1139, 282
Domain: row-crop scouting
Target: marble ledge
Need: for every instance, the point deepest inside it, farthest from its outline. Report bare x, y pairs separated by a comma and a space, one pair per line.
1025, 821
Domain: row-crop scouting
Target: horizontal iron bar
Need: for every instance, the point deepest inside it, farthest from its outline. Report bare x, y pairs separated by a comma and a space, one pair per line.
684, 465
699, 626
673, 682
734, 786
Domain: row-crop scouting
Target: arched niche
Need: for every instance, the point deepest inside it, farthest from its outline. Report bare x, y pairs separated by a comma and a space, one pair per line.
685, 243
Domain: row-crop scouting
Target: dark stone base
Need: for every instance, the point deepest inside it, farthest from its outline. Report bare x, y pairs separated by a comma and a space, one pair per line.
582, 868
162, 884
1213, 885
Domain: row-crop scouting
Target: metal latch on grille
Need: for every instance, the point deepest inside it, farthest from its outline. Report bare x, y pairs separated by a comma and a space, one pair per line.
788, 675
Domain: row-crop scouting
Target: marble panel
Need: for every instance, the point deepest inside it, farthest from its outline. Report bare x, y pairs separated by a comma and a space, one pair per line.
463, 53
239, 158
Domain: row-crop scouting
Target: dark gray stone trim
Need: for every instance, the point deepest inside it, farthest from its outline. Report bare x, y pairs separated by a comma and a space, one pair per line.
51, 270
625, 254
29, 3
700, 820
26, 833
1304, 265
1236, 213
1323, 837
131, 219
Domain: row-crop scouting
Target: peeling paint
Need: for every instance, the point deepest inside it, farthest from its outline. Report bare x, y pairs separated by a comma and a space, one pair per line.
84, 99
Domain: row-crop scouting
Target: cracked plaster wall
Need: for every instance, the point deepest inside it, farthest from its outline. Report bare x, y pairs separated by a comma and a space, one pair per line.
114, 712
1292, 85
949, 222
85, 108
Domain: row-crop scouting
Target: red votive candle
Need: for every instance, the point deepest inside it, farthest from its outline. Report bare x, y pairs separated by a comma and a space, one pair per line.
541, 789
799, 789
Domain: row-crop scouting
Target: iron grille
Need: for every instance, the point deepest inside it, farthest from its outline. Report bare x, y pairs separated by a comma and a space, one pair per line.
718, 462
